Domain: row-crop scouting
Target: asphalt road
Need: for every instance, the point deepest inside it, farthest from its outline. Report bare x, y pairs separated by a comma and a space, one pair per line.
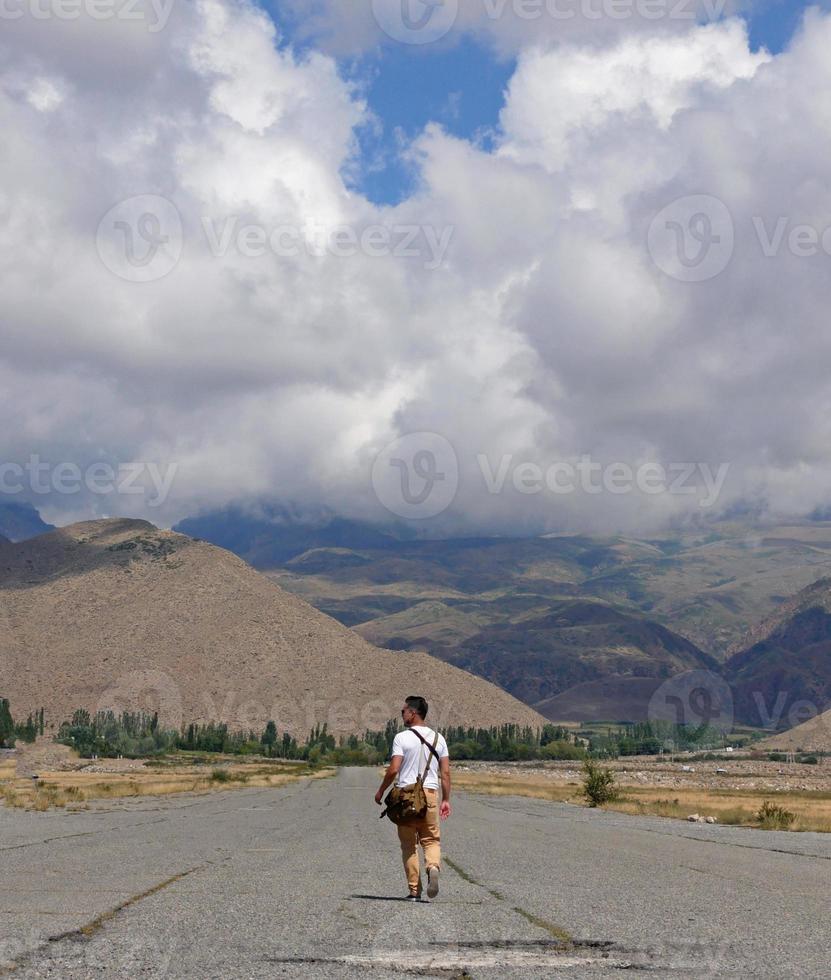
306, 881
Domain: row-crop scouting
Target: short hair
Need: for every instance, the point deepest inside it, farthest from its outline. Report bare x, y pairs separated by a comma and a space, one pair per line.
417, 704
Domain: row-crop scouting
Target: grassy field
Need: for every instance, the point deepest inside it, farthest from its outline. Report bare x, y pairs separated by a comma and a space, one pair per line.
74, 790
811, 809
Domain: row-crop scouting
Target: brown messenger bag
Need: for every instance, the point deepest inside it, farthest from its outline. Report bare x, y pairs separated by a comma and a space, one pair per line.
409, 803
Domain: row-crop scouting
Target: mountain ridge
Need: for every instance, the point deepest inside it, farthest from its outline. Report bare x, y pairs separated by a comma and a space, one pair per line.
785, 670
115, 613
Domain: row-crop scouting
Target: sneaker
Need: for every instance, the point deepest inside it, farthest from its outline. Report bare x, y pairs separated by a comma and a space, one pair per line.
432, 882
413, 898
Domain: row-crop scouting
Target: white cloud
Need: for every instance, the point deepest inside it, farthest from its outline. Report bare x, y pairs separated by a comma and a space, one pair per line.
345, 27
557, 94
548, 333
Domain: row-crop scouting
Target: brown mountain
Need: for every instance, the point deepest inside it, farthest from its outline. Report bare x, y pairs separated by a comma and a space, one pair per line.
784, 674
119, 614
810, 736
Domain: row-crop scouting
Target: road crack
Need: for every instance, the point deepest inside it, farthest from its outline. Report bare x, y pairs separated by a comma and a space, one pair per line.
90, 928
563, 937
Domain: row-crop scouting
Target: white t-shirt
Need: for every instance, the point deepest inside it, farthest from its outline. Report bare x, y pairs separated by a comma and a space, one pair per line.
415, 754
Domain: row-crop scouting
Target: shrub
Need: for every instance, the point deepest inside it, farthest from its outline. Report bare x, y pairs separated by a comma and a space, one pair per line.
563, 750
360, 755
221, 776
772, 816
809, 760
598, 784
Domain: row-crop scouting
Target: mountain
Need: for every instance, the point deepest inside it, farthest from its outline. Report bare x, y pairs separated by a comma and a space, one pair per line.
580, 626
119, 614
811, 736
270, 535
709, 584
540, 655
786, 667
547, 660
21, 521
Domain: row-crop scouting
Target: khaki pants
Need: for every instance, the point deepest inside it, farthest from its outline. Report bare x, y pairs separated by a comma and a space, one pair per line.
425, 832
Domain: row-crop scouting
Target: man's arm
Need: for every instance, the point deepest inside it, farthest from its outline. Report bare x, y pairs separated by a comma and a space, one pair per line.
444, 771
389, 777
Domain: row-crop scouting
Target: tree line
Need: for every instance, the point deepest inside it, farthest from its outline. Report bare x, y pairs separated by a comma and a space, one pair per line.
140, 735
652, 738
11, 731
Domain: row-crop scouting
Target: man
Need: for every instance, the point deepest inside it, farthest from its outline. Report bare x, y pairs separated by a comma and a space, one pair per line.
409, 757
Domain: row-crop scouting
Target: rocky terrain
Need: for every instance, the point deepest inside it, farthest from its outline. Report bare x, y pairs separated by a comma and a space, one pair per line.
580, 627
117, 614
810, 736
742, 774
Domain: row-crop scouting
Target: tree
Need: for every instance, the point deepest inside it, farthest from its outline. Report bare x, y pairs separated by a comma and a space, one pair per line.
6, 724
269, 738
598, 784
27, 730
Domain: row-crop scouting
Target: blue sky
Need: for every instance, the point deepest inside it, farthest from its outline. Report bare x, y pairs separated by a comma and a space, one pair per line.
462, 87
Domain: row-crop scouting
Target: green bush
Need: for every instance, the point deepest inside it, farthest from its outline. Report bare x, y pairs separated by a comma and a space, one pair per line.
809, 760
598, 784
221, 776
563, 750
772, 816
360, 755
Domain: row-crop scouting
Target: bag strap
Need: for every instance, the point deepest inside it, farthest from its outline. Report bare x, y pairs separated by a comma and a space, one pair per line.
432, 749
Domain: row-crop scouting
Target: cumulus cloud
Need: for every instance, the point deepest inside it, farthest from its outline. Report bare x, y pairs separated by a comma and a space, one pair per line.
344, 27
267, 332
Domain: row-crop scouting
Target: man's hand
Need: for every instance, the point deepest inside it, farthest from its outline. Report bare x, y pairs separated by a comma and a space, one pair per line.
389, 777
446, 809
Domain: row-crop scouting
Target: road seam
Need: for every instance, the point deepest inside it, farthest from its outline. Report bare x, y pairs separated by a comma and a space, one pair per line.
94, 925
553, 930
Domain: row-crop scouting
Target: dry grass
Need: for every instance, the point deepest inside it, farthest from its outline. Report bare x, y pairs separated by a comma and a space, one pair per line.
537, 787
730, 806
736, 807
74, 789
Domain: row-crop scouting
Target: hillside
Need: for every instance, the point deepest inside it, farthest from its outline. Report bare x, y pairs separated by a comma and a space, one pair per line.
810, 736
539, 658
543, 654
710, 584
119, 614
582, 627
786, 669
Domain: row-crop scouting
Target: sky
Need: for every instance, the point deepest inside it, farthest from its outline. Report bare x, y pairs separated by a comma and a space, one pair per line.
459, 265
460, 84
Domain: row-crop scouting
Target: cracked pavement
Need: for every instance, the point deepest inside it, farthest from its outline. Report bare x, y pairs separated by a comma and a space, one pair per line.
306, 881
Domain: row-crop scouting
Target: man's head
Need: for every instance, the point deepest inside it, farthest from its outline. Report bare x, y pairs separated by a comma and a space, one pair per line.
414, 711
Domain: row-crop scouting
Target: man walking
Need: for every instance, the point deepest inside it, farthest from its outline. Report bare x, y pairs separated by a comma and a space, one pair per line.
409, 758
